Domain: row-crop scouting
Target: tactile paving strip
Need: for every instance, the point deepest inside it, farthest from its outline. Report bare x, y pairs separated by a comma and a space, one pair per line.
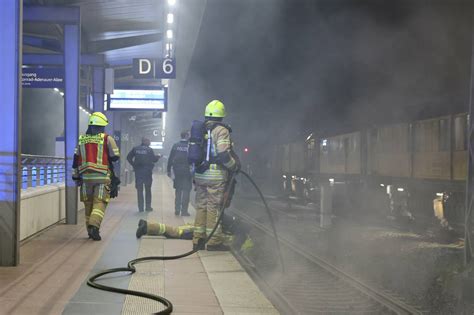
150, 276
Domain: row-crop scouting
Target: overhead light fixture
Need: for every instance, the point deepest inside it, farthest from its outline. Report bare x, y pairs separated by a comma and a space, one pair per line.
171, 2
62, 93
170, 18
56, 89
169, 34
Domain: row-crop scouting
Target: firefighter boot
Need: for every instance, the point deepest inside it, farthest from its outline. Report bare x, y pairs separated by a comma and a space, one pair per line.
218, 248
142, 228
94, 232
200, 245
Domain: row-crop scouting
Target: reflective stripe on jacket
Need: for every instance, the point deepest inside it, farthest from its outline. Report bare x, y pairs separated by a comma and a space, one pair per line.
92, 156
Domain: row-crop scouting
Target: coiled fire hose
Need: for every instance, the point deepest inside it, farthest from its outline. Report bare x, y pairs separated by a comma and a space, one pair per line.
131, 264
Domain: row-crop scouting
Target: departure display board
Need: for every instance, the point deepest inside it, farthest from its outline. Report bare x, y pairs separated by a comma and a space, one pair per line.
139, 99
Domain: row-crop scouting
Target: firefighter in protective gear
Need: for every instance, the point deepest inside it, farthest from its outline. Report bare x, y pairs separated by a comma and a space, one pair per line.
235, 231
93, 170
182, 183
143, 159
211, 182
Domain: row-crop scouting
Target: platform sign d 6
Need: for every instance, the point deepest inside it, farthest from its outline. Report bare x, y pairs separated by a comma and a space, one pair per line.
163, 68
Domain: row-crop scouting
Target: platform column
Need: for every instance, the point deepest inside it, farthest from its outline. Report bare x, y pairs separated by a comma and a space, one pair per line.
98, 88
71, 112
468, 251
326, 191
10, 146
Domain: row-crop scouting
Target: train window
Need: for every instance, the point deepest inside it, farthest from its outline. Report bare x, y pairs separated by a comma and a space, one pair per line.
324, 145
419, 137
443, 130
460, 133
311, 144
409, 138
310, 149
354, 143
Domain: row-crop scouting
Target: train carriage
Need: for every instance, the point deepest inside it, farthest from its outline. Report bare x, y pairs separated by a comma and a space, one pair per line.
341, 155
424, 158
389, 151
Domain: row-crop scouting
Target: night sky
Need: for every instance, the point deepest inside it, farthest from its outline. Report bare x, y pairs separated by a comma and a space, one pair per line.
287, 68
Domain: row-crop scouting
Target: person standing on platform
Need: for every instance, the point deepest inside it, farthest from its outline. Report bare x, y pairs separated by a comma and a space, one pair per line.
182, 183
212, 178
93, 171
143, 159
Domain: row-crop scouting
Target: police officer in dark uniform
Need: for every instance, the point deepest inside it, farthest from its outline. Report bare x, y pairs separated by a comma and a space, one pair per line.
178, 160
143, 159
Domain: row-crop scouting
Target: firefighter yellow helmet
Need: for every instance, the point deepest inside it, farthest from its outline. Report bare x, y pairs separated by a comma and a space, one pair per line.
98, 119
215, 109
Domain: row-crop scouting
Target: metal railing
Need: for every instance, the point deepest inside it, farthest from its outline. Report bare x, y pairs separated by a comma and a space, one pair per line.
40, 170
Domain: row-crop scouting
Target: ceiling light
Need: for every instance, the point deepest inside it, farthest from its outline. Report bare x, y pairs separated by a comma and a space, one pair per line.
62, 93
171, 2
170, 18
169, 34
56, 89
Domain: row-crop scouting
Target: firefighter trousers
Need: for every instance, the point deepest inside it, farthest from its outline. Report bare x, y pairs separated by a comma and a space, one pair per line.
209, 197
96, 197
182, 232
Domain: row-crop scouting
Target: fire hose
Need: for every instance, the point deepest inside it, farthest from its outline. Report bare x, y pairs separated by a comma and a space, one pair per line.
131, 264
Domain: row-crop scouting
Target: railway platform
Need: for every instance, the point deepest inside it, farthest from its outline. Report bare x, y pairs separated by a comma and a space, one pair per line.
56, 263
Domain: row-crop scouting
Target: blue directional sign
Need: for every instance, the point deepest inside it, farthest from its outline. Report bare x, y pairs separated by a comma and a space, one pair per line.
42, 78
164, 68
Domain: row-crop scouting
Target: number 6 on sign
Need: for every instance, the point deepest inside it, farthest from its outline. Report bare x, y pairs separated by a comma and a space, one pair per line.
168, 66
167, 69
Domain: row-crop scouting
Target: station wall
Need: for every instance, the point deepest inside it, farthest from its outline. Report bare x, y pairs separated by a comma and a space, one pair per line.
42, 207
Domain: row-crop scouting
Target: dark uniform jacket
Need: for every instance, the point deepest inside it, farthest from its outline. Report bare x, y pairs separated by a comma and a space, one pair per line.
178, 160
143, 159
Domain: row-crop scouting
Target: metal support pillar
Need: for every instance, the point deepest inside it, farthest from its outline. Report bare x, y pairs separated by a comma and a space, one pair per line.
71, 112
326, 205
98, 88
109, 129
10, 146
468, 251
117, 125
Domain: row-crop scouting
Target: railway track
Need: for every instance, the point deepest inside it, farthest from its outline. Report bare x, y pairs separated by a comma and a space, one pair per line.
309, 284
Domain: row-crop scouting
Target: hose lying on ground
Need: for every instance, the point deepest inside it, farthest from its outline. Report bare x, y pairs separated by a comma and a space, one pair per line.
131, 264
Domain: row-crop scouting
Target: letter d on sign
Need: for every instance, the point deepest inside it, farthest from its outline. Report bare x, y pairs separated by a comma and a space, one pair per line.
143, 68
